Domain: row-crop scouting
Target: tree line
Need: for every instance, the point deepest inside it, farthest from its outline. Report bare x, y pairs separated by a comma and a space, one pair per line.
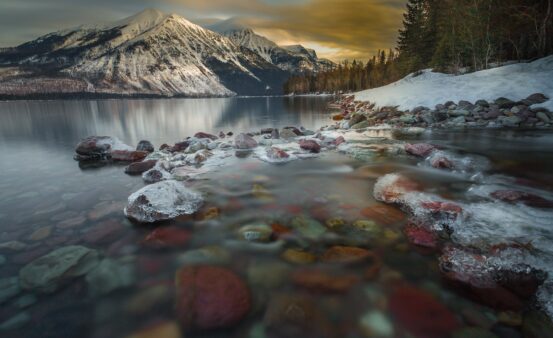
450, 36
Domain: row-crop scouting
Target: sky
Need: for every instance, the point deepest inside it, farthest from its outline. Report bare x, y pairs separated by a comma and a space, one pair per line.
337, 29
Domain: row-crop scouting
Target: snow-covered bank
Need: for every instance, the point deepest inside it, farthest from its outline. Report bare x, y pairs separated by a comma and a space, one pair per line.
516, 82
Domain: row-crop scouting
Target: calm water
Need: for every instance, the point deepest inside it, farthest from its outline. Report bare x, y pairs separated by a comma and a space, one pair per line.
48, 202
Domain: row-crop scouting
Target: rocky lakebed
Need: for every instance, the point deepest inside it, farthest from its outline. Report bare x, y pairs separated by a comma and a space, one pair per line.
367, 227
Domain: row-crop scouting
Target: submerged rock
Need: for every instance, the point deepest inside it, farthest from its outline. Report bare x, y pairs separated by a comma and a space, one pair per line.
128, 156
419, 149
162, 201
321, 281
110, 275
275, 153
47, 273
168, 237
531, 200
210, 298
346, 255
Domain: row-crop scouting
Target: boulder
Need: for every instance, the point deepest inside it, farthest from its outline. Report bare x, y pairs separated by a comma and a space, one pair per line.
210, 298
287, 134
275, 135
138, 168
419, 149
99, 147
537, 98
310, 145
146, 146
201, 135
47, 273
275, 153
505, 103
162, 201
244, 141
128, 156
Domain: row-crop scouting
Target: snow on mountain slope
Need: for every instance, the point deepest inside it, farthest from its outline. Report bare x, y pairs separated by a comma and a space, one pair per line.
150, 53
515, 81
294, 59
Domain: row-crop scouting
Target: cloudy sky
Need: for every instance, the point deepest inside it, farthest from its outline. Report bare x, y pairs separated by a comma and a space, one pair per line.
337, 29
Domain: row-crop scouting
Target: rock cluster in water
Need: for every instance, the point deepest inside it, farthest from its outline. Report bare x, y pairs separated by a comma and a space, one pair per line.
501, 113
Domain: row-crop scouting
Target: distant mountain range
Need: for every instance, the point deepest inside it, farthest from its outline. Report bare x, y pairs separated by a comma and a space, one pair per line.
152, 54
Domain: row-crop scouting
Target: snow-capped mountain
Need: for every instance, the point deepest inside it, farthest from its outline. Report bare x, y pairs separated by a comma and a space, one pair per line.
150, 53
295, 59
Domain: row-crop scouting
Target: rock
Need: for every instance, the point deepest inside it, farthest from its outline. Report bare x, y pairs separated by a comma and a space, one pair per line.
531, 200
421, 314
41, 233
543, 117
367, 226
275, 135
179, 147
12, 246
321, 281
25, 301
493, 113
337, 117
419, 149
511, 121
159, 330
201, 135
155, 175
459, 112
536, 325
9, 287
356, 119
244, 141
256, 233
128, 156
99, 147
275, 153
162, 201
504, 103
287, 134
339, 140
428, 118
205, 255
420, 236
442, 163
408, 119
537, 98
188, 172
290, 315
308, 227
346, 255
440, 116
110, 275
383, 214
210, 298
146, 146
298, 256
294, 130
168, 237
47, 273
482, 103
458, 121
392, 188
310, 145
138, 168
15, 322
360, 125
377, 324
268, 131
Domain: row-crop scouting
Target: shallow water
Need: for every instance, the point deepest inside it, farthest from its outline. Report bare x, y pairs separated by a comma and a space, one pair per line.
48, 202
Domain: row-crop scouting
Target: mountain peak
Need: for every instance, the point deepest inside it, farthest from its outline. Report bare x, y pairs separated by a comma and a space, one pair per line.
142, 21
229, 25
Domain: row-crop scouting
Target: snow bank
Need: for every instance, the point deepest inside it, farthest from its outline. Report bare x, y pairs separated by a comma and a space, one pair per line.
515, 81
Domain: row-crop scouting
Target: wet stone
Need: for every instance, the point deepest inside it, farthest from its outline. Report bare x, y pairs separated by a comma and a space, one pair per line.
298, 256
146, 146
321, 281
41, 234
168, 237
346, 255
110, 275
138, 168
256, 233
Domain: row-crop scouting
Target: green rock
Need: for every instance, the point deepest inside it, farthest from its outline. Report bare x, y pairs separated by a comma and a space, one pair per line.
308, 227
377, 324
48, 272
110, 275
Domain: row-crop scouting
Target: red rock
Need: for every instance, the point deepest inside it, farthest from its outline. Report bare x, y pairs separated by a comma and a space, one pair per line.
164, 146
128, 156
320, 281
338, 117
310, 145
346, 255
210, 298
339, 140
392, 187
442, 163
280, 230
420, 236
166, 237
383, 214
442, 207
277, 153
421, 314
137, 168
419, 149
178, 147
104, 232
205, 135
531, 200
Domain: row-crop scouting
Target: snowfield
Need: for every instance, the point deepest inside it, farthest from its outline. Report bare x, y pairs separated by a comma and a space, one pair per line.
515, 82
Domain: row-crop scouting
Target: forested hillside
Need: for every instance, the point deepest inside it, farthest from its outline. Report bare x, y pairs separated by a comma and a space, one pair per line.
449, 36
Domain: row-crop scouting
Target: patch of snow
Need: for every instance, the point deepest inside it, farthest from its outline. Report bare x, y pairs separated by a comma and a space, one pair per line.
514, 81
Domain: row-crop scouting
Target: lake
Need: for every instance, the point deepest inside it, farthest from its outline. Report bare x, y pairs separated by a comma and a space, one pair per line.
320, 211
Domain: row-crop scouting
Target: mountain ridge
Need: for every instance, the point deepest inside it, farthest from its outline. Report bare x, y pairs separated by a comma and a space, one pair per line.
148, 54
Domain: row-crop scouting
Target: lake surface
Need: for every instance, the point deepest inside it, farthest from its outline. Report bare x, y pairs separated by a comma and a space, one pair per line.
49, 201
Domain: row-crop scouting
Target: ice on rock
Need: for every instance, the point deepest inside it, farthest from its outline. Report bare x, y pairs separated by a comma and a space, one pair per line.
162, 201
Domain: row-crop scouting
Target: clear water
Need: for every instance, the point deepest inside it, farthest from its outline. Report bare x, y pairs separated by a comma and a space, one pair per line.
47, 201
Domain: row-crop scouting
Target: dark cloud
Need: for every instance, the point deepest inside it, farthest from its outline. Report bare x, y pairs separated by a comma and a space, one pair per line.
338, 28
